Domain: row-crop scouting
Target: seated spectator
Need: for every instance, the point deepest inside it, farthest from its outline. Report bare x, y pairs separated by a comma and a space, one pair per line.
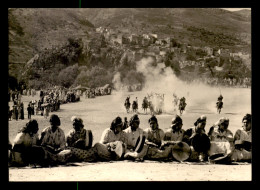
79, 141
221, 142
136, 149
243, 141
53, 142
198, 140
113, 142
174, 135
154, 138
23, 142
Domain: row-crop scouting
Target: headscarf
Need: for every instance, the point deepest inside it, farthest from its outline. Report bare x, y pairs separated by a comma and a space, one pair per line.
134, 118
55, 120
247, 117
176, 120
115, 122
200, 119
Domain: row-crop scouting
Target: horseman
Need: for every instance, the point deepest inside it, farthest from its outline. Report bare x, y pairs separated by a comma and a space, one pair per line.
182, 104
127, 103
135, 106
145, 104
219, 103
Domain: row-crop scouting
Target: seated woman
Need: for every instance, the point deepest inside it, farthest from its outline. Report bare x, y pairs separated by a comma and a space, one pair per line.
112, 139
79, 141
27, 137
154, 138
198, 140
221, 144
173, 136
53, 142
243, 141
136, 148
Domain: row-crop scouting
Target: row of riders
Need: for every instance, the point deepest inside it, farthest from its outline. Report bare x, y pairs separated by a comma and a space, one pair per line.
219, 145
155, 102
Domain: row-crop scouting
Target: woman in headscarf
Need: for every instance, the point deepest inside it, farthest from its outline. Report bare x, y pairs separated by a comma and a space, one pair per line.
221, 144
243, 141
154, 140
173, 136
198, 140
136, 149
111, 139
79, 141
24, 140
53, 141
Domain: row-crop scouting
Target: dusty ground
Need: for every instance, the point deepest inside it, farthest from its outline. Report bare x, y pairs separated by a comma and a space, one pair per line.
97, 115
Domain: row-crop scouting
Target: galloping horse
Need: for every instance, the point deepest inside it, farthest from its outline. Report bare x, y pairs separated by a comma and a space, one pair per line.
134, 107
145, 105
182, 106
127, 104
219, 103
151, 107
219, 106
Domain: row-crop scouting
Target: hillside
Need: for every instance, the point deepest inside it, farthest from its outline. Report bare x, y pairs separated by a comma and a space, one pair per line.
33, 30
53, 33
244, 13
166, 21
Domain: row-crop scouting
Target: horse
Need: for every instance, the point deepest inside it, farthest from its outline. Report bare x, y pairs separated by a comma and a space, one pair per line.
127, 105
219, 106
134, 107
151, 107
145, 105
182, 106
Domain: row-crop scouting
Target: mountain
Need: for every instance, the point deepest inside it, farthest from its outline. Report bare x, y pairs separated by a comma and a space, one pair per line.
33, 31
244, 13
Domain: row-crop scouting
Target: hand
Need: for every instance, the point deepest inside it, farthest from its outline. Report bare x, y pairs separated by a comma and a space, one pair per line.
164, 143
111, 145
151, 143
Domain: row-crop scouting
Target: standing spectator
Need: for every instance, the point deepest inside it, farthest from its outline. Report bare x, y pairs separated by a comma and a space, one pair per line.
22, 110
19, 108
29, 110
13, 115
32, 108
16, 113
46, 111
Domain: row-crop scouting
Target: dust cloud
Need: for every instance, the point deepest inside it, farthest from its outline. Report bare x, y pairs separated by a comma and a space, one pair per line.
162, 80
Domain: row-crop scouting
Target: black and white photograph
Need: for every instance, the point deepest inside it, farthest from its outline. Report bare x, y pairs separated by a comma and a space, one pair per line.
129, 94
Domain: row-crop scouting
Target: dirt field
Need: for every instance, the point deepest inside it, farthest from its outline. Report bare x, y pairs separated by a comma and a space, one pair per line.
97, 115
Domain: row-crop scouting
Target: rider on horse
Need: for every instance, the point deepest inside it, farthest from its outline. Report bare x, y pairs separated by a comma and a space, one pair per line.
145, 104
127, 103
182, 104
219, 102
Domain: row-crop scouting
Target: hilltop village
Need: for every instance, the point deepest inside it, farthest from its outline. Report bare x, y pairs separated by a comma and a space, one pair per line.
181, 56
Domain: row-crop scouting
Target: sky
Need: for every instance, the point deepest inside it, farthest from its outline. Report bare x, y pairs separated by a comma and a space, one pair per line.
235, 9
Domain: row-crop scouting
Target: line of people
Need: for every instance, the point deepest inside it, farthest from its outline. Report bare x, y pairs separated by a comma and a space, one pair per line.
120, 142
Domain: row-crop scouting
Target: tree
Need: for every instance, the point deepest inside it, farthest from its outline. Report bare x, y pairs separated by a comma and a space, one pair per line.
68, 75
